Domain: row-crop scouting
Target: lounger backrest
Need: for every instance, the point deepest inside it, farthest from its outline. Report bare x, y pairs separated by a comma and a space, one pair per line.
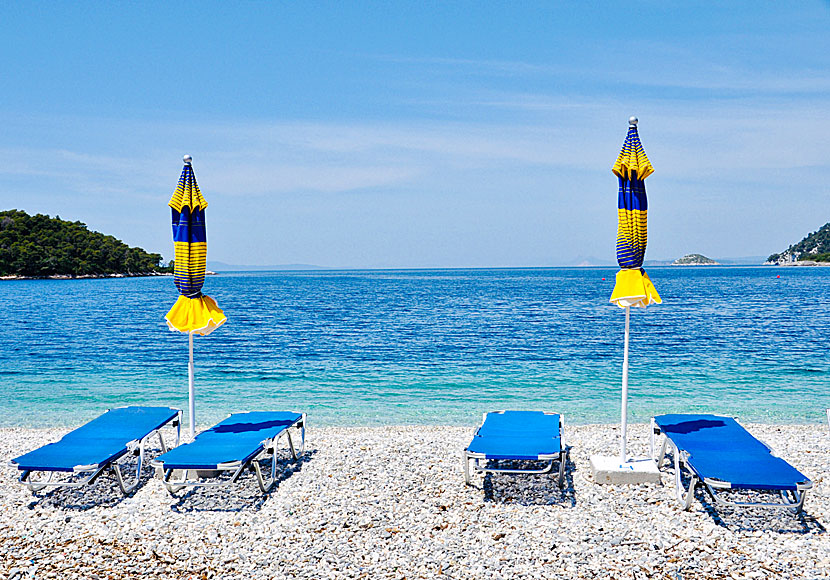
123, 424
693, 433
253, 427
520, 424
240, 437
98, 442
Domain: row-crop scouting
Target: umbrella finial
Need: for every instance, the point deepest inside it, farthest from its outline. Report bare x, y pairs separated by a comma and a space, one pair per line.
187, 159
633, 121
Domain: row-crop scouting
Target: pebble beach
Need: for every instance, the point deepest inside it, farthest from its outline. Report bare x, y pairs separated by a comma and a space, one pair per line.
390, 502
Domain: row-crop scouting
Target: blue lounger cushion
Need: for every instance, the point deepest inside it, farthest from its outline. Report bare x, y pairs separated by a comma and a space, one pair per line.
237, 439
720, 449
519, 423
519, 435
99, 442
525, 449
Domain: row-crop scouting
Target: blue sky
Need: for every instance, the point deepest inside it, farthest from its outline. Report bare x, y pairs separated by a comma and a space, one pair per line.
420, 134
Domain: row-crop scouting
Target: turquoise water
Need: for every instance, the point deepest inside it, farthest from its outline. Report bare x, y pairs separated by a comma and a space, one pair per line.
424, 346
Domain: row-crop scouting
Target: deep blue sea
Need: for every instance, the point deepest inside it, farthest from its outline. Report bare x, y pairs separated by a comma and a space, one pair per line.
424, 346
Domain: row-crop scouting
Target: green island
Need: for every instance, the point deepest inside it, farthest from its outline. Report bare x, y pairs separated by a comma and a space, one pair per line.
39, 246
815, 247
695, 260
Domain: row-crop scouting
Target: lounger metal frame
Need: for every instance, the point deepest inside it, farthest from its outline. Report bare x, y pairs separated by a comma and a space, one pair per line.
476, 458
191, 477
793, 500
136, 447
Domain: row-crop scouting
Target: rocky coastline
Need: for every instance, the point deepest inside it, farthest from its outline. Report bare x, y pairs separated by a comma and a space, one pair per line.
85, 276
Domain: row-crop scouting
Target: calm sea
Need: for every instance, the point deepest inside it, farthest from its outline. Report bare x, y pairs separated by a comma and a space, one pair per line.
424, 346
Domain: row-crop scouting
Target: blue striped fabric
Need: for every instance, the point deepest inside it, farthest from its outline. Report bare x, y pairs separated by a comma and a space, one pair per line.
632, 162
189, 235
632, 167
632, 235
633, 286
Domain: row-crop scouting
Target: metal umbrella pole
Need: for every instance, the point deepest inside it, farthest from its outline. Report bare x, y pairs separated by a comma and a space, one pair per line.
191, 404
624, 422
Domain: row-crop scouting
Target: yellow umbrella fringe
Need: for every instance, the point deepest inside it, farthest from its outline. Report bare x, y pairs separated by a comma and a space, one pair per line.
195, 315
634, 288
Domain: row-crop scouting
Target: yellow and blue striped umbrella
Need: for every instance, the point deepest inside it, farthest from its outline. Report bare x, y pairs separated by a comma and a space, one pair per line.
633, 286
193, 312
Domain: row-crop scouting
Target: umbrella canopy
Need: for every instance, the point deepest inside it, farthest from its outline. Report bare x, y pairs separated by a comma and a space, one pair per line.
633, 286
193, 312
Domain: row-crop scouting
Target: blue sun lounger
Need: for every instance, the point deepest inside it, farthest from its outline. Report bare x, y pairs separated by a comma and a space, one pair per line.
242, 440
104, 443
532, 436
723, 456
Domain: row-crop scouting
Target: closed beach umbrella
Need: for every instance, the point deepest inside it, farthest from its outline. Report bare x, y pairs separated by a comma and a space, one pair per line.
633, 286
193, 312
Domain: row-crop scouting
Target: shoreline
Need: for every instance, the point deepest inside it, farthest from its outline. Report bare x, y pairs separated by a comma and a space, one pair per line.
472, 422
85, 276
390, 502
799, 263
94, 276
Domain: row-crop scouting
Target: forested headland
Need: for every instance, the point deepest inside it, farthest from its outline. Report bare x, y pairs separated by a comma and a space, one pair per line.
41, 246
814, 247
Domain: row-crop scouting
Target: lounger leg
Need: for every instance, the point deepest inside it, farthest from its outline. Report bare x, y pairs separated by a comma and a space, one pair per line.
302, 434
264, 486
796, 502
465, 465
35, 486
562, 460
651, 438
119, 476
125, 489
689, 496
25, 479
291, 445
799, 507
171, 484
161, 442
662, 454
178, 424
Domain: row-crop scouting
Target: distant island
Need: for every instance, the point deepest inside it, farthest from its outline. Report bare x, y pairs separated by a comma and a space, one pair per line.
39, 246
812, 250
695, 260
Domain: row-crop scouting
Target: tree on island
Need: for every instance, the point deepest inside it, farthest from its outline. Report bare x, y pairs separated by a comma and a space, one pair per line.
39, 245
